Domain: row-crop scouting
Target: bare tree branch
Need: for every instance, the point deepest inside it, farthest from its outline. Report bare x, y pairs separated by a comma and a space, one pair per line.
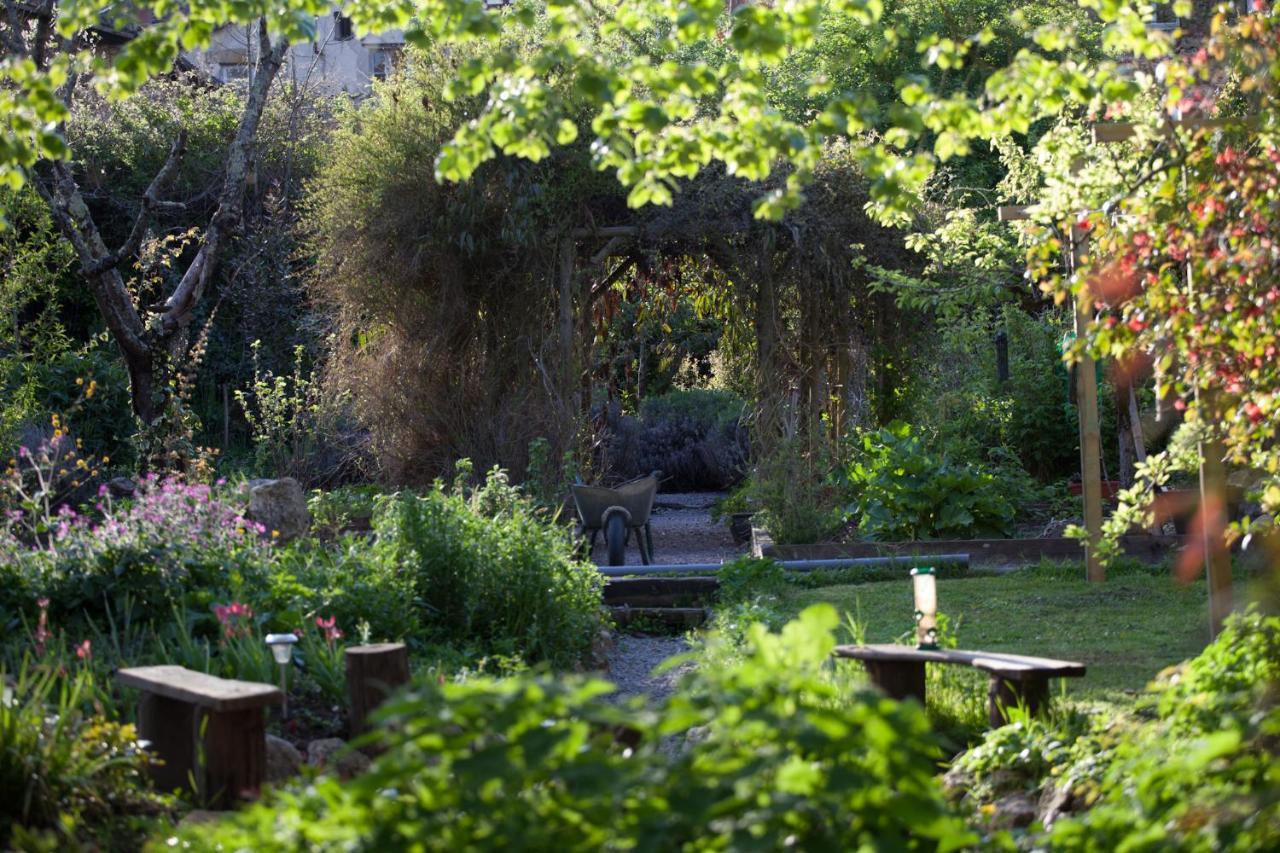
67, 204
14, 41
190, 289
40, 42
150, 202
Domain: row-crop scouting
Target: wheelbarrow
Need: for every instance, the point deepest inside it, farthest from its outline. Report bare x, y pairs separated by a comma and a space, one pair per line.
617, 513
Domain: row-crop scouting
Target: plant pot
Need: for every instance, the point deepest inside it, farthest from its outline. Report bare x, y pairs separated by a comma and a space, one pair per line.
740, 527
1110, 488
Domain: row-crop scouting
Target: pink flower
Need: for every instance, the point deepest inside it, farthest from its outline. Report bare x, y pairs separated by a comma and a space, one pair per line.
84, 651
329, 628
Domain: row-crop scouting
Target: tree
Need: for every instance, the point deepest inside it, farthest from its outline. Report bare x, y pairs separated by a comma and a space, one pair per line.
145, 336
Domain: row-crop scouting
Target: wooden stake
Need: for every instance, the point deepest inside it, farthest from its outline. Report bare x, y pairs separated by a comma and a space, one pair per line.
1090, 434
373, 672
1214, 516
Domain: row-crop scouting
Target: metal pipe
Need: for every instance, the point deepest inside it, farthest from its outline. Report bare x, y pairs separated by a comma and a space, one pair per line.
792, 565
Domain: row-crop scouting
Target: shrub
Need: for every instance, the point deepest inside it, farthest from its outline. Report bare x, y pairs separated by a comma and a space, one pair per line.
66, 775
1194, 770
369, 597
486, 570
532, 762
694, 437
173, 544
900, 490
748, 577
798, 503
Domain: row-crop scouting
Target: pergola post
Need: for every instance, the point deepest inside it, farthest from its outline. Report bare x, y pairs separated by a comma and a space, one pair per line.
1090, 431
1213, 474
1086, 405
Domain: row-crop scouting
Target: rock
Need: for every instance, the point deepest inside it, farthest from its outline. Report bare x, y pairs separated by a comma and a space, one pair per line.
122, 487
956, 782
1055, 801
601, 647
283, 760
280, 506
1013, 810
332, 753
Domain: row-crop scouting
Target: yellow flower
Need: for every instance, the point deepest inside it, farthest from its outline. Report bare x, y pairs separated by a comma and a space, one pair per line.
106, 459
79, 380
275, 533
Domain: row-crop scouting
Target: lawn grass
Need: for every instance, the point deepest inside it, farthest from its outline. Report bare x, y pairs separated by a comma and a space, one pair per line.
1125, 630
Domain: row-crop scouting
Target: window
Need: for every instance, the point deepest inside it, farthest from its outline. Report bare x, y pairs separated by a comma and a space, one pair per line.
382, 63
342, 30
228, 71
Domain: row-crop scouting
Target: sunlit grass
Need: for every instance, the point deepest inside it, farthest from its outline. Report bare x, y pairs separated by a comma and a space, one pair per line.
1124, 630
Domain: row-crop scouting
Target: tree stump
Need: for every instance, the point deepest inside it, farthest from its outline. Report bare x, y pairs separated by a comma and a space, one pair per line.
373, 672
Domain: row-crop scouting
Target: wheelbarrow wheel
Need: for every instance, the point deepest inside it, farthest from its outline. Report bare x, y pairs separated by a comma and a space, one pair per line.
615, 538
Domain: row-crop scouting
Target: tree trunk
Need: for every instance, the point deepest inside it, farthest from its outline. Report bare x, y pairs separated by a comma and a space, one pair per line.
140, 346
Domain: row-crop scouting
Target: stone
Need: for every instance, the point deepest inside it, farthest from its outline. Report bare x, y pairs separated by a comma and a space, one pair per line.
1055, 801
1013, 811
331, 753
280, 506
956, 782
283, 760
122, 487
601, 647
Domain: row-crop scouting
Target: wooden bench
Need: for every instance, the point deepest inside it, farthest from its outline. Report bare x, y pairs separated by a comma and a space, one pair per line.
1014, 679
204, 728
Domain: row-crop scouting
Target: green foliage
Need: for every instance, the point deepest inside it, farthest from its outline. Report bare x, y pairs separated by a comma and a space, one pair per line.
900, 490
334, 510
1195, 770
282, 412
486, 569
716, 408
748, 577
873, 574
68, 776
959, 399
798, 504
546, 482
345, 580
532, 761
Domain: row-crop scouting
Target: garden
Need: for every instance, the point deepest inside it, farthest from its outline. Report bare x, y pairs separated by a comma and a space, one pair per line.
946, 330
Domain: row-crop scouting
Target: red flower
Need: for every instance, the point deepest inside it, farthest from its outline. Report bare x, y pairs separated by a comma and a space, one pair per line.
84, 651
329, 628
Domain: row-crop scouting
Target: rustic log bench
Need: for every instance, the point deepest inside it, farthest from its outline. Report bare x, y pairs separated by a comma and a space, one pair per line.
204, 728
1014, 679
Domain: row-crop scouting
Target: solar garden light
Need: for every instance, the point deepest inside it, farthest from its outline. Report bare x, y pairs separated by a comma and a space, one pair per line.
924, 584
282, 650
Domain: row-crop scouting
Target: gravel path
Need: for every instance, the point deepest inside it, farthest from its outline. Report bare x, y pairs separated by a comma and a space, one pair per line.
683, 532
632, 661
